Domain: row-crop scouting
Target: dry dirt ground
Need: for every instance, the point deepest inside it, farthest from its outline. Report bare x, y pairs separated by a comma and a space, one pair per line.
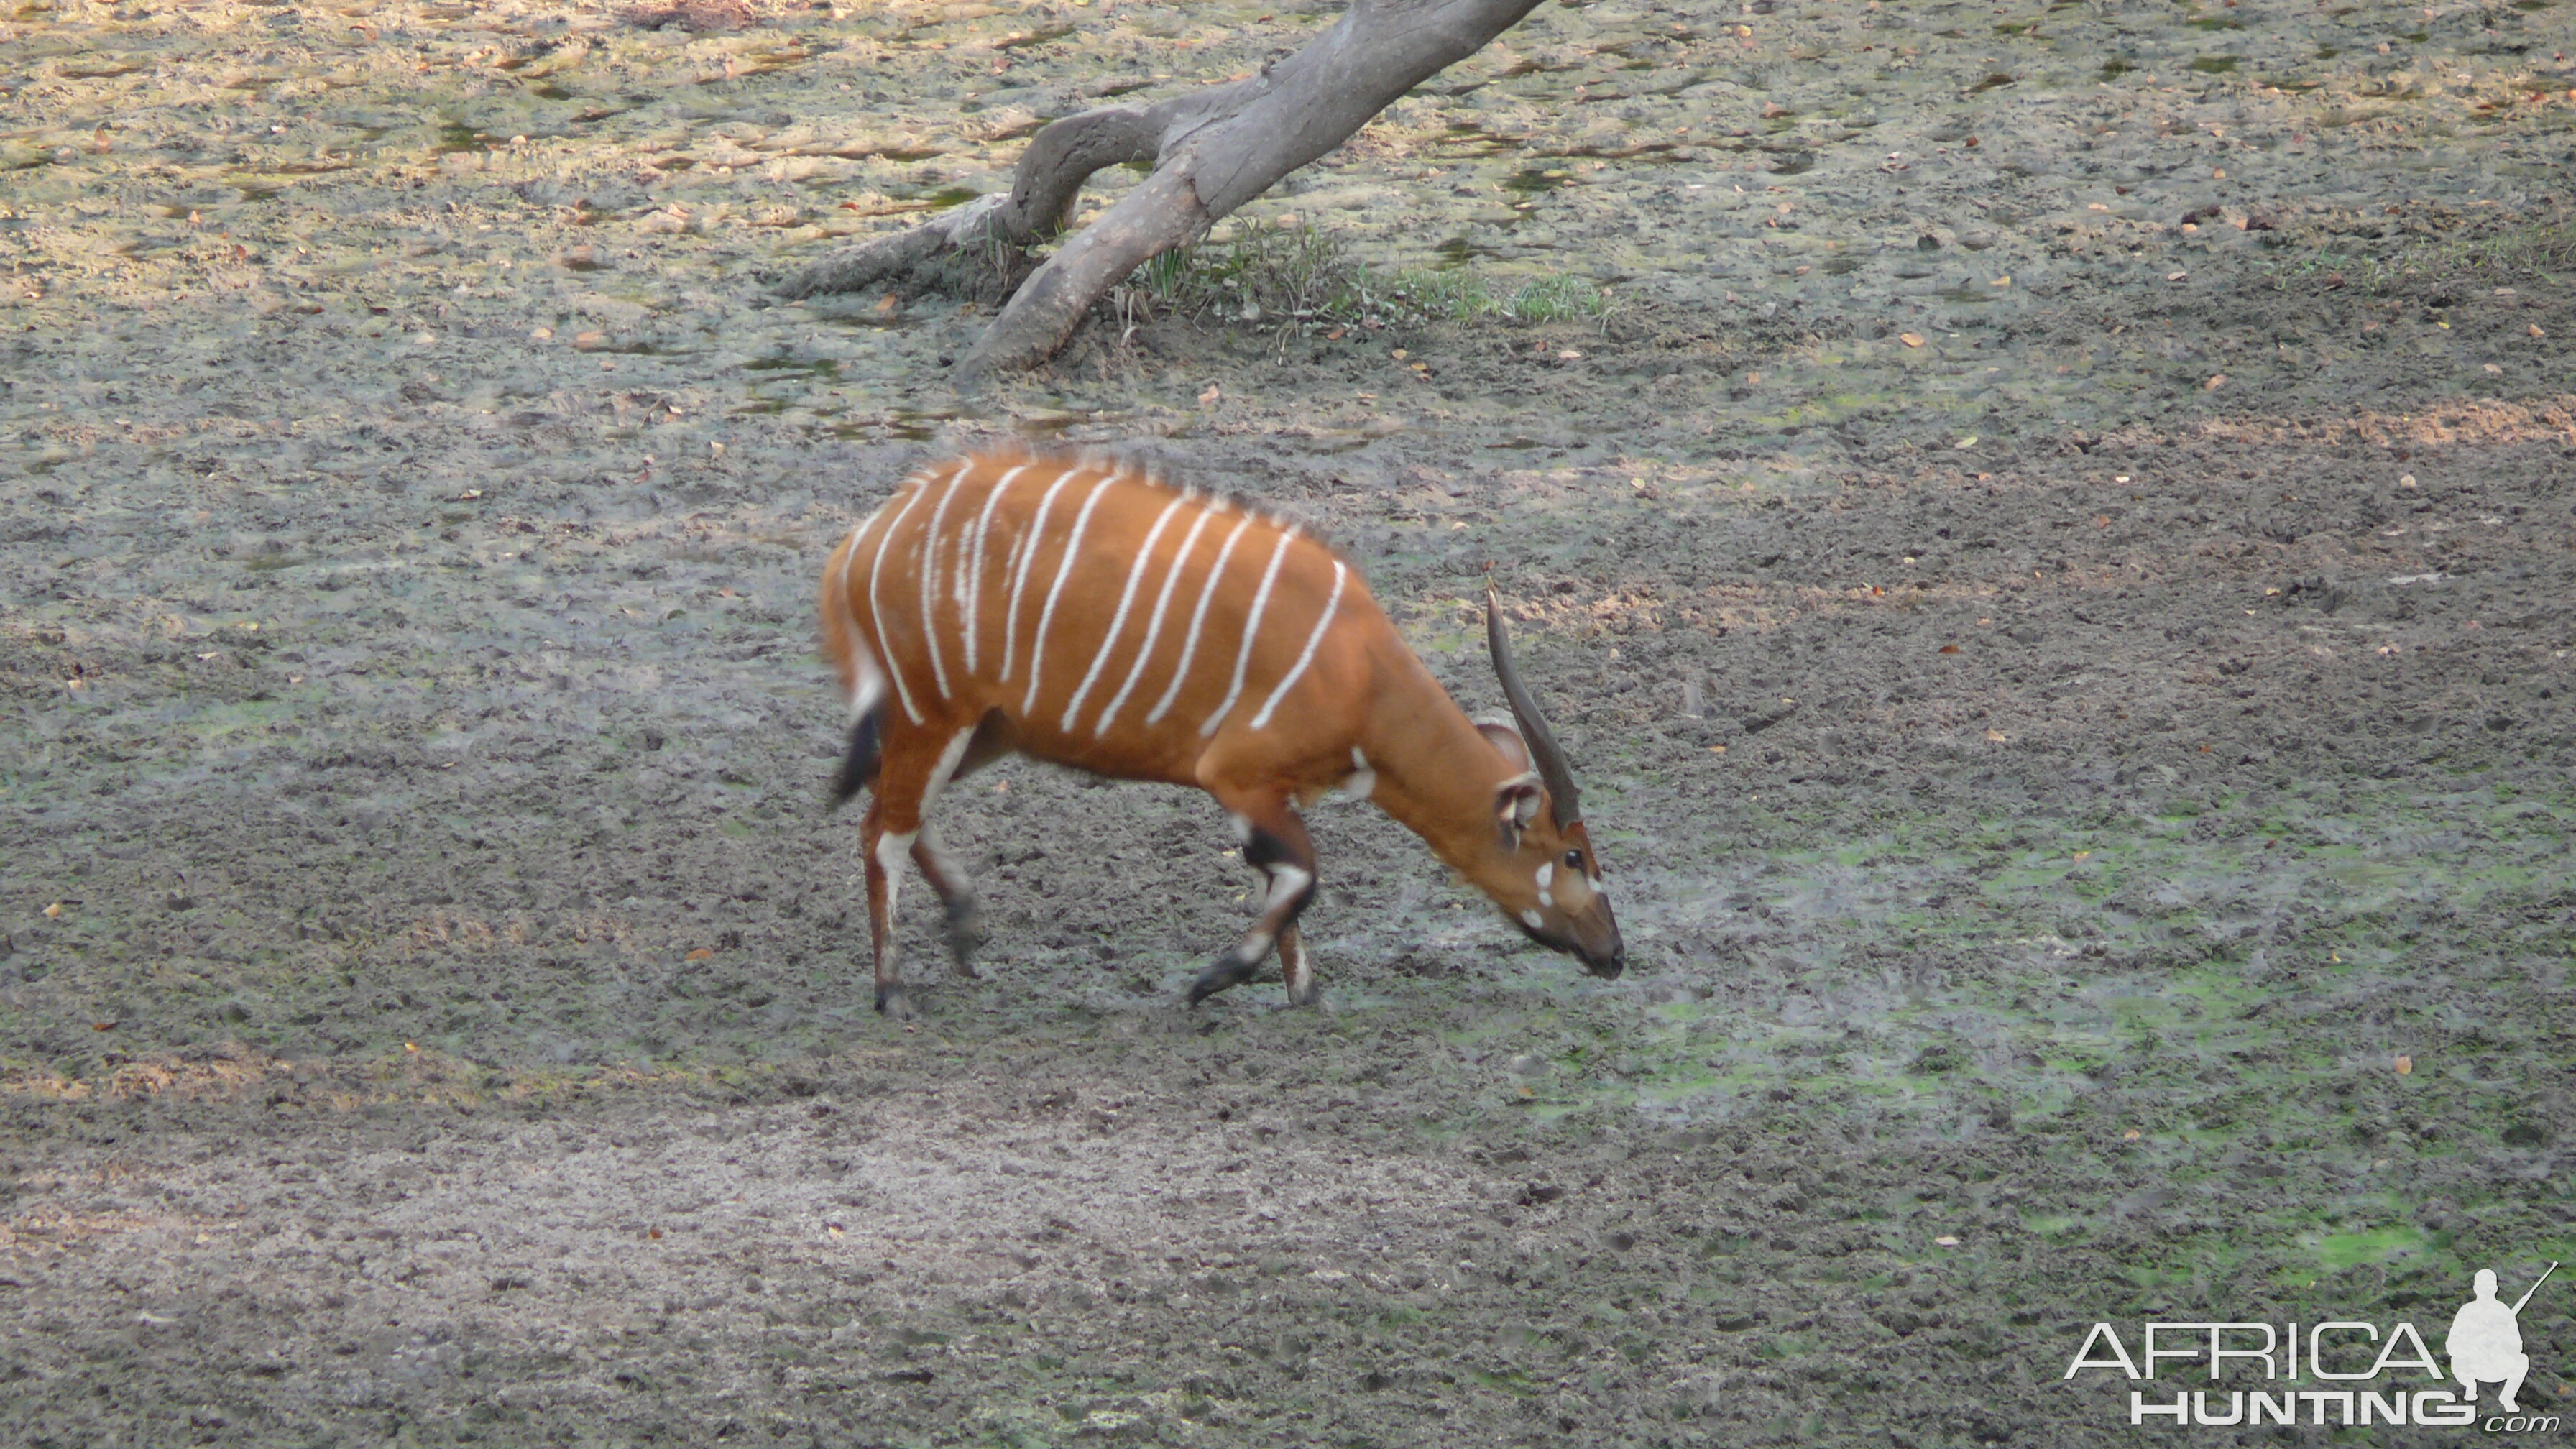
2054, 569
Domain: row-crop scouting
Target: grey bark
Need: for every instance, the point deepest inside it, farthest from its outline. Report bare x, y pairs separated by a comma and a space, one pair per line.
1212, 150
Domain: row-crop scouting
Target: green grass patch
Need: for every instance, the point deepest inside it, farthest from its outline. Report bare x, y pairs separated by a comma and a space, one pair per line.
2541, 248
2375, 1245
1302, 279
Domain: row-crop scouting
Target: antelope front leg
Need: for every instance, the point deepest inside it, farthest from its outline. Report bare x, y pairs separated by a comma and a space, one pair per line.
1293, 965
1275, 843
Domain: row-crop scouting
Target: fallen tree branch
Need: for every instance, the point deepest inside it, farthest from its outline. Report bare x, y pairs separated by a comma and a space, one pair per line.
1212, 151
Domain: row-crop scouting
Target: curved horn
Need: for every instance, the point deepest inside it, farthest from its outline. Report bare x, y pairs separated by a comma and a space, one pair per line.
1564, 803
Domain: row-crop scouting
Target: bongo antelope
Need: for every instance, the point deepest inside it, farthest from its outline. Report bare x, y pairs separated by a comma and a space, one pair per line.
1084, 613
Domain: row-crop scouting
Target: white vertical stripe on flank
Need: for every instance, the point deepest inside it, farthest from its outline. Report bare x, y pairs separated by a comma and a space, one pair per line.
1055, 591
971, 569
1011, 555
867, 681
1190, 642
841, 575
930, 575
1341, 574
1029, 541
1251, 632
1118, 620
876, 615
1154, 625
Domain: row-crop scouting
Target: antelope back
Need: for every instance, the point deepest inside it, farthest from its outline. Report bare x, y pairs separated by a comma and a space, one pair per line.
1114, 621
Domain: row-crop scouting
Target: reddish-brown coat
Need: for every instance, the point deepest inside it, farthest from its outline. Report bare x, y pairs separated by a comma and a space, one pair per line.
1086, 614
874, 603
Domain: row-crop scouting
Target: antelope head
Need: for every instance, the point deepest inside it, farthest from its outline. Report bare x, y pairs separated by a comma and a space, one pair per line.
1547, 879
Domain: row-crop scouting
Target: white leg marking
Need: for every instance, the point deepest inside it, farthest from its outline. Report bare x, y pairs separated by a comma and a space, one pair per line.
1285, 882
1055, 591
971, 572
1190, 642
1118, 621
876, 612
1341, 574
891, 849
943, 767
1154, 626
1020, 578
1251, 633
930, 575
1294, 965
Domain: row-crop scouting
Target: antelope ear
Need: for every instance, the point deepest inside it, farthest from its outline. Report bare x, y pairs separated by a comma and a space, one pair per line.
1515, 806
1507, 742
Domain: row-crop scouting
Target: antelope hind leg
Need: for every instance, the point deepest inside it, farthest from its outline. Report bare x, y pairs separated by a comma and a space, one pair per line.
966, 933
912, 769
883, 881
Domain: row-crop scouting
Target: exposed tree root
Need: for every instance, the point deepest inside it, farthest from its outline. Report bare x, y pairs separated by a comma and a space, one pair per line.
1212, 150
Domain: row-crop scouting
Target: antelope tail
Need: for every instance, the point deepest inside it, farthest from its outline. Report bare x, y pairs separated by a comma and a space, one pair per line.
846, 643
859, 766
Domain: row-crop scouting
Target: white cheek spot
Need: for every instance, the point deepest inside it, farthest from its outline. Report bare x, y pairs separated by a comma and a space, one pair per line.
1533, 919
1242, 828
1599, 889
1547, 899
1546, 874
1358, 760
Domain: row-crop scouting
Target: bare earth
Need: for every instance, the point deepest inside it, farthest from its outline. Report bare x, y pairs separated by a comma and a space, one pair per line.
2103, 472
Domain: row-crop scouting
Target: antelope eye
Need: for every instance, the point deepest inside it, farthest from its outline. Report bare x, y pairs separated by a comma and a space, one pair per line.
1574, 860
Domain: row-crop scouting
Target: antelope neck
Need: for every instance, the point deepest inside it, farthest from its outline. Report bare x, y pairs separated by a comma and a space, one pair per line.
1436, 773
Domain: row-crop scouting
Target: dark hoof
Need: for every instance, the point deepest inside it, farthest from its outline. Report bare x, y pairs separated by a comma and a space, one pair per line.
893, 1004
966, 936
1308, 997
1229, 971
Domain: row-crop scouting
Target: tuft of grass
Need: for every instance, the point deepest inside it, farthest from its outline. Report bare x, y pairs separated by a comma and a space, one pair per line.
2542, 249
1556, 299
1304, 280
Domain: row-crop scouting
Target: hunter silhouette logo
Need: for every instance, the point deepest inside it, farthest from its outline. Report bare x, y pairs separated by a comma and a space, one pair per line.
2485, 1342
2339, 1372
